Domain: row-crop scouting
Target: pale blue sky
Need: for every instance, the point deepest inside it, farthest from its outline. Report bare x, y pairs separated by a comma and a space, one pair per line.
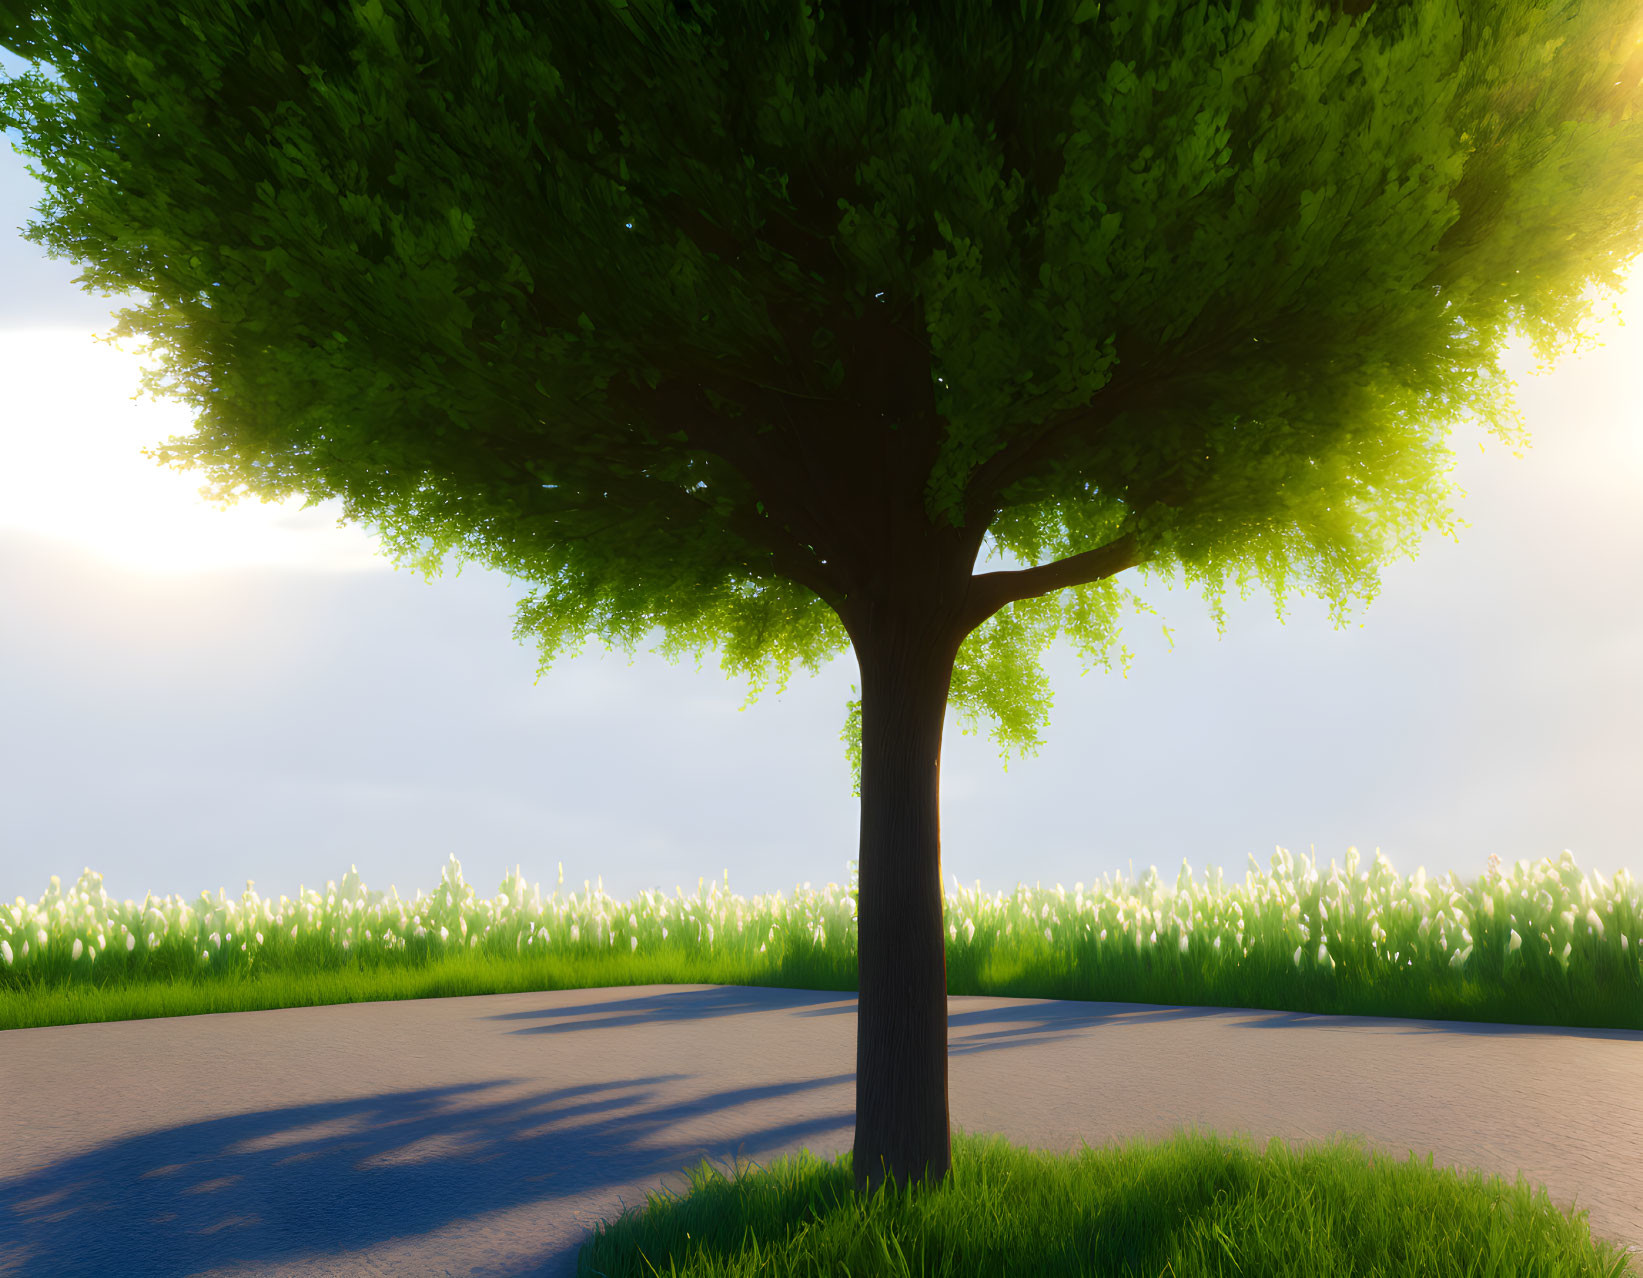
190, 698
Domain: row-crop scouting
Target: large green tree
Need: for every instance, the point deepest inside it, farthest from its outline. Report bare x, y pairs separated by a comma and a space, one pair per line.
753, 322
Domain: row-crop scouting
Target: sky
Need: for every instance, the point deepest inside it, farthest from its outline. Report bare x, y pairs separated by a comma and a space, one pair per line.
193, 697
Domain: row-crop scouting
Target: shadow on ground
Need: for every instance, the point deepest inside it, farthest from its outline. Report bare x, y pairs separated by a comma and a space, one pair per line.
279, 1186
1026, 1016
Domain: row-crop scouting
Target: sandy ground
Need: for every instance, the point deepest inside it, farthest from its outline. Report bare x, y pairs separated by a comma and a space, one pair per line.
487, 1135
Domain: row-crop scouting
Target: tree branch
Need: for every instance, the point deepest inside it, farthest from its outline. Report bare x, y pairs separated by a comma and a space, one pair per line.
1142, 378
788, 557
1017, 459
796, 535
990, 591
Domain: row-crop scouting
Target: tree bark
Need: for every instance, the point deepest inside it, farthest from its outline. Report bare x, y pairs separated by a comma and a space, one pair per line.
902, 1131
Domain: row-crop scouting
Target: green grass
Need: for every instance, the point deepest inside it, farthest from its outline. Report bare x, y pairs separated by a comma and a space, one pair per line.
1536, 947
1594, 995
368, 981
1193, 1205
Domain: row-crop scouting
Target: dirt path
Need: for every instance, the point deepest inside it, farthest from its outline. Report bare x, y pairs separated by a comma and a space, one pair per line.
487, 1135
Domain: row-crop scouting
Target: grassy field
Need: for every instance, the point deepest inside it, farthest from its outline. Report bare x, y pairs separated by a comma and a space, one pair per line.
1543, 944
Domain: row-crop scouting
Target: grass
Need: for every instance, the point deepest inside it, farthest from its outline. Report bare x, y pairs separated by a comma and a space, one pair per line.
1537, 946
1194, 1205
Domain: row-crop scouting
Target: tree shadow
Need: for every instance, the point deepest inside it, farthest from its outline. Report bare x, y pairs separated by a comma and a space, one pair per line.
1032, 1017
311, 1181
1029, 1016
691, 1003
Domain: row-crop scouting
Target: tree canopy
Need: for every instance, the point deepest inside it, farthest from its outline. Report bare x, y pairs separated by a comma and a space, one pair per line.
661, 308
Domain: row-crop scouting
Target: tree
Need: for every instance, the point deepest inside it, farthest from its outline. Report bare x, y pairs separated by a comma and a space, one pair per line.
753, 322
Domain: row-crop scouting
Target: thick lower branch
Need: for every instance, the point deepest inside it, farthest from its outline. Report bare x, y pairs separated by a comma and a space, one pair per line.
990, 591
788, 557
1030, 446
808, 548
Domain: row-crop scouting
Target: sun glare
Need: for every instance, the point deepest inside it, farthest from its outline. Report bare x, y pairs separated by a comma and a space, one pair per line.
75, 473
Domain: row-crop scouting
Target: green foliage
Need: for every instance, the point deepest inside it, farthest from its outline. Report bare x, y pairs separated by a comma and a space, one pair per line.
596, 294
1540, 944
851, 736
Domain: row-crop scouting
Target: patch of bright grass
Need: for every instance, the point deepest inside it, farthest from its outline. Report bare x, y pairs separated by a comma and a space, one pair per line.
446, 976
1193, 1205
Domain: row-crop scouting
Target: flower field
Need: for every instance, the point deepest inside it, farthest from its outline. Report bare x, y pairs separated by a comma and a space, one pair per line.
1539, 944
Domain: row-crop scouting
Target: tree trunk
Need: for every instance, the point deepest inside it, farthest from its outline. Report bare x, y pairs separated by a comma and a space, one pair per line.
901, 1018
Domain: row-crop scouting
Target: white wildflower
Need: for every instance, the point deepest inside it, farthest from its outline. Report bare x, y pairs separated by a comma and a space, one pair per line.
131, 942
78, 948
5, 952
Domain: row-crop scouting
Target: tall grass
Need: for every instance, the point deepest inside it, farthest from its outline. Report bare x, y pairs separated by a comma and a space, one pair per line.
1541, 945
